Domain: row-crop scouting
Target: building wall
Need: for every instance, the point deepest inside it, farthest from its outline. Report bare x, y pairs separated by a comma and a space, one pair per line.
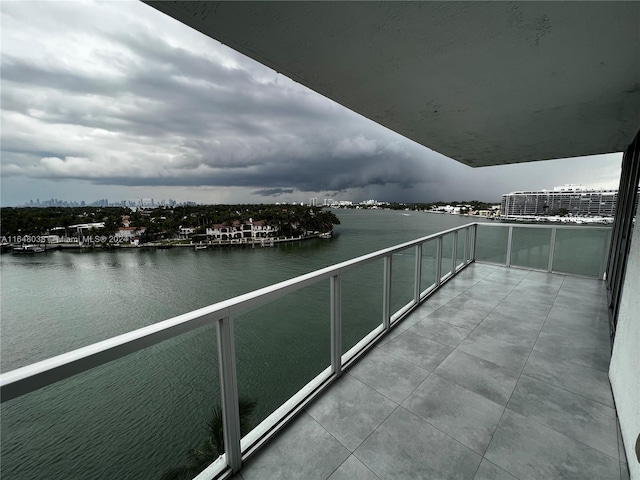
589, 202
624, 370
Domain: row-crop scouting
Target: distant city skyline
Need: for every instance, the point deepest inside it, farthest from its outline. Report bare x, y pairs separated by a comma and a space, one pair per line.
312, 201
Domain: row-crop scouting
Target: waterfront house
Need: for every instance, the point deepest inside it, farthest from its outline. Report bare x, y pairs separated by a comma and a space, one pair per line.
247, 230
128, 233
185, 233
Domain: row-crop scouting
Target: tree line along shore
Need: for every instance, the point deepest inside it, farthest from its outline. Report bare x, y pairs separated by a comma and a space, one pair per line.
162, 226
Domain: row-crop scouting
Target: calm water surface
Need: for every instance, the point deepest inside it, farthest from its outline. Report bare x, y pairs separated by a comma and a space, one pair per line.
137, 416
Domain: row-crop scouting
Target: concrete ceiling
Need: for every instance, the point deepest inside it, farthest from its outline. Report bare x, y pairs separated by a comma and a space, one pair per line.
485, 83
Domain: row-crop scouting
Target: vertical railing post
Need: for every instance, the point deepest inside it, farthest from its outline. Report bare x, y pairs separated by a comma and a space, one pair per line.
552, 249
439, 262
336, 325
454, 252
509, 240
229, 393
418, 275
474, 238
386, 293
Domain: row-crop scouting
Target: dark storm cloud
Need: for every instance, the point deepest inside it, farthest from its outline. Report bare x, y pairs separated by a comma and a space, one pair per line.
273, 192
182, 118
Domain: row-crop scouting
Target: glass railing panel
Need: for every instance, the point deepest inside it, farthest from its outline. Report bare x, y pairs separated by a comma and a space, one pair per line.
447, 255
491, 244
580, 250
403, 267
429, 271
136, 417
530, 247
362, 289
461, 250
281, 346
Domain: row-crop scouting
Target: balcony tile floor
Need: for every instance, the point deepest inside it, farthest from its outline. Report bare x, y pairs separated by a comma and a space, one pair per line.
502, 374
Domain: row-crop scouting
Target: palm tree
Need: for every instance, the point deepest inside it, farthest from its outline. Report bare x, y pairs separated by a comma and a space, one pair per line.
213, 446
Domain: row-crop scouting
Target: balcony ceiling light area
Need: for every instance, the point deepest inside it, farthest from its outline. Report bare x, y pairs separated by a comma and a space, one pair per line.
484, 83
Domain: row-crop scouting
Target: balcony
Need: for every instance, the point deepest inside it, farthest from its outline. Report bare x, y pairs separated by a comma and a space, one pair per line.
501, 374
453, 369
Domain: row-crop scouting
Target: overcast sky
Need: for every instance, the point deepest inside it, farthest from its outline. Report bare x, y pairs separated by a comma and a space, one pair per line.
116, 100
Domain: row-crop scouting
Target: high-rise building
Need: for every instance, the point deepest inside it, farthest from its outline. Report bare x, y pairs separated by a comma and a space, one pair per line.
572, 199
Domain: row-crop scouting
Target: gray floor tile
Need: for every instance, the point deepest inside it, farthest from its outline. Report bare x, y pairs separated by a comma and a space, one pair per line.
461, 317
491, 288
407, 447
585, 381
497, 351
592, 356
480, 376
353, 469
389, 375
509, 273
573, 415
583, 284
482, 268
530, 450
418, 350
489, 471
589, 294
350, 411
440, 332
425, 309
408, 322
526, 311
531, 298
441, 296
510, 329
552, 279
598, 320
586, 307
395, 331
535, 292
288, 455
462, 282
466, 416
475, 303
583, 334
